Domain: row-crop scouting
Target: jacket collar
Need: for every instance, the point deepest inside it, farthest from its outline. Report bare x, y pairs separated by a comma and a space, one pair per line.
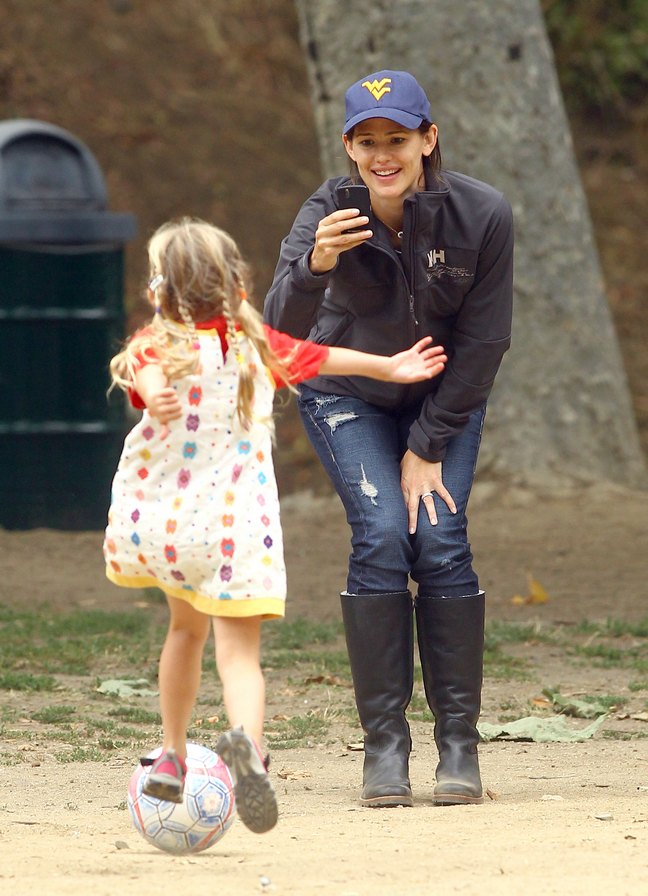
433, 196
422, 206
425, 204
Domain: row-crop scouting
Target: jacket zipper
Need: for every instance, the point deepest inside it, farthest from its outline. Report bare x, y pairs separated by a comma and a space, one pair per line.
410, 294
410, 286
412, 310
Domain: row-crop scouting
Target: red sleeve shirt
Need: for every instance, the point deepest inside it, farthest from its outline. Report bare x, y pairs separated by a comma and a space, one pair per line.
148, 356
303, 358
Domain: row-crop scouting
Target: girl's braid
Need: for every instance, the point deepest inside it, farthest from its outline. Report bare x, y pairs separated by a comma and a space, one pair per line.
245, 397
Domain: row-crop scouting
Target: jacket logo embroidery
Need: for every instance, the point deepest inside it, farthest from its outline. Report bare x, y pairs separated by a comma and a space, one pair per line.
436, 256
378, 88
439, 270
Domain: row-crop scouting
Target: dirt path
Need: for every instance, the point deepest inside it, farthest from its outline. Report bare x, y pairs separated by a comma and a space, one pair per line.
566, 820
562, 818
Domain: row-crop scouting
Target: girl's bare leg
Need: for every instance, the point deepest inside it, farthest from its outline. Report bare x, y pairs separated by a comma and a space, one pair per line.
238, 660
180, 669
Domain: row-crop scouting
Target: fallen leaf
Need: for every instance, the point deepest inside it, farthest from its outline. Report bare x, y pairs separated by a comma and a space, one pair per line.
289, 775
536, 595
126, 687
211, 720
326, 679
540, 730
542, 703
580, 709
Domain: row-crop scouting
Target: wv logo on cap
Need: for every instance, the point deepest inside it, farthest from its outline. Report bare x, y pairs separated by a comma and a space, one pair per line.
378, 88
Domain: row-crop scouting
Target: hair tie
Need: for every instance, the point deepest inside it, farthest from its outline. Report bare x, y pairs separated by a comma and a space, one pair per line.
154, 282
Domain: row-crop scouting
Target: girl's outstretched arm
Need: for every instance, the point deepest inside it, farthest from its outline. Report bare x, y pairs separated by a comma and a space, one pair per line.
420, 362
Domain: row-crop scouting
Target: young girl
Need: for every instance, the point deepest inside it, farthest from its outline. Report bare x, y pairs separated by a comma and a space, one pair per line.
195, 510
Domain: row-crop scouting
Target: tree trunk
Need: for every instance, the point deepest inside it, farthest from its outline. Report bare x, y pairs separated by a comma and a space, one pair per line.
560, 409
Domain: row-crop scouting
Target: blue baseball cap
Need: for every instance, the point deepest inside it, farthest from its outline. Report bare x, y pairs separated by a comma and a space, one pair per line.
386, 94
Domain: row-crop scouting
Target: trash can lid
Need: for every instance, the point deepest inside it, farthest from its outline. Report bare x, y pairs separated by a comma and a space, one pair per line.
52, 189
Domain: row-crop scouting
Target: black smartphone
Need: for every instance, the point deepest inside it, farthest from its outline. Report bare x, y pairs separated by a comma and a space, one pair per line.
354, 196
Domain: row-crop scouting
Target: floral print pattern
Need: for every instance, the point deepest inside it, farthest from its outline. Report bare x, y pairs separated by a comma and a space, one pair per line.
195, 394
196, 512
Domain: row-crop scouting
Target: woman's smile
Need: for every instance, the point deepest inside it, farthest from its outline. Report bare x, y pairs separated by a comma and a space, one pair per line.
384, 174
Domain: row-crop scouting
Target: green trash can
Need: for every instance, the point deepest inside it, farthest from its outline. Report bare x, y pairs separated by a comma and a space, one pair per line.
61, 319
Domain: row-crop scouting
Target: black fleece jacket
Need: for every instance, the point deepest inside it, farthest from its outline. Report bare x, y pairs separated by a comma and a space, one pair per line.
453, 280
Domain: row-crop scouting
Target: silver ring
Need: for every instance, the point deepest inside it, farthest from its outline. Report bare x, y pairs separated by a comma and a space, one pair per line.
427, 495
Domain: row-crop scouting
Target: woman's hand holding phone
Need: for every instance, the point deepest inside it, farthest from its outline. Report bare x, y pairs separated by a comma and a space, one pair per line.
334, 236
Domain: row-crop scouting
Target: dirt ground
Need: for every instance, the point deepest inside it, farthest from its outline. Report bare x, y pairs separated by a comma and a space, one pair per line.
563, 818
560, 818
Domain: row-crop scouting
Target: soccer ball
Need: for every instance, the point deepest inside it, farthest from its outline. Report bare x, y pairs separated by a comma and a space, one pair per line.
205, 814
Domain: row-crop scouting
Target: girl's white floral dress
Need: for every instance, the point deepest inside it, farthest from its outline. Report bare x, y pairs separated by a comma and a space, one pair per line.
195, 511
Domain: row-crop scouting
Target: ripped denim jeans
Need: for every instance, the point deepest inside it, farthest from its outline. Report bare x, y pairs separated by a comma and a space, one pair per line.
360, 446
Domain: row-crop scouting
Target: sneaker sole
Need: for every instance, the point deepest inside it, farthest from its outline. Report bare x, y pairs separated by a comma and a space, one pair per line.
163, 789
256, 802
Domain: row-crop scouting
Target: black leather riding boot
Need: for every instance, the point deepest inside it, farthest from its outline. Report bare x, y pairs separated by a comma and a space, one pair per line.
450, 633
380, 640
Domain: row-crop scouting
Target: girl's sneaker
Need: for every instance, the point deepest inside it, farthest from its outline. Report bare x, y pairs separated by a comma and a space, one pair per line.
166, 779
256, 802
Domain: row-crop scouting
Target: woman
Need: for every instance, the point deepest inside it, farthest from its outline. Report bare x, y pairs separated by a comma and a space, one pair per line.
433, 257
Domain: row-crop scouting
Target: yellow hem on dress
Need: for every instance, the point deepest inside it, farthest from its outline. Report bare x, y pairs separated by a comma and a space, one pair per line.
267, 607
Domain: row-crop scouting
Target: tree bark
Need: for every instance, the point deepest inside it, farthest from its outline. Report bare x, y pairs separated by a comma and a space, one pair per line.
561, 408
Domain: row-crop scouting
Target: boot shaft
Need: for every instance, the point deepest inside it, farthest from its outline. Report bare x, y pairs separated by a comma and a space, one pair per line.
379, 634
450, 634
380, 641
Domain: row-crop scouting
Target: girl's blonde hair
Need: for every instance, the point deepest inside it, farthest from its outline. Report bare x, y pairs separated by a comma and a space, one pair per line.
197, 273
